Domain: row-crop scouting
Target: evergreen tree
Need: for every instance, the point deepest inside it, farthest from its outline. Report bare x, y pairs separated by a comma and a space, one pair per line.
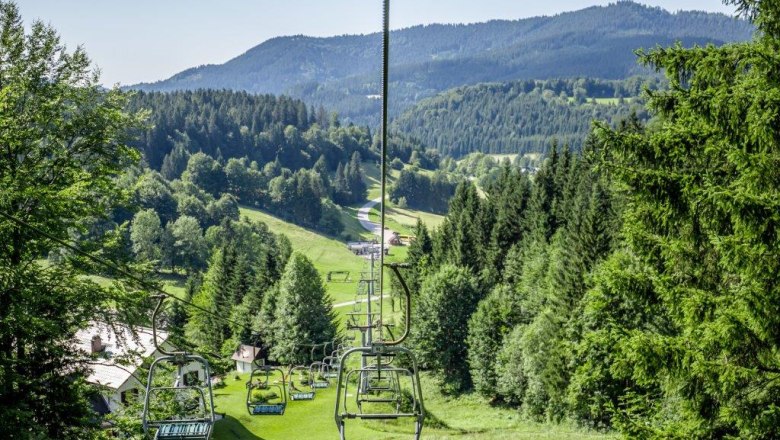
175, 162
419, 256
511, 193
447, 299
303, 313
702, 210
355, 179
204, 329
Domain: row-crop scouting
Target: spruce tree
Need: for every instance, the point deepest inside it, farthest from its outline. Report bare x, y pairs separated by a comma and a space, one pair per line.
702, 210
206, 329
303, 314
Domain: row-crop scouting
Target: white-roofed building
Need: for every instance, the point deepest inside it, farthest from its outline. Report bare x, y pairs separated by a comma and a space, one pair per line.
119, 353
244, 356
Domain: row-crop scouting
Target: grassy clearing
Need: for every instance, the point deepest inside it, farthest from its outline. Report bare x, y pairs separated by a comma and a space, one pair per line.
601, 101
327, 253
404, 220
466, 417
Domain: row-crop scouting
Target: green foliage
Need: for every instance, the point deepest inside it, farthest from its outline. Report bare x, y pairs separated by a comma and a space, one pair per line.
152, 191
511, 382
205, 329
420, 191
302, 315
62, 137
702, 212
461, 236
189, 246
145, 233
447, 299
517, 117
489, 325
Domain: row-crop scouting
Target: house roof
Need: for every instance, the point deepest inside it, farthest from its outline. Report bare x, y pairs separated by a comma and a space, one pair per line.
246, 353
122, 352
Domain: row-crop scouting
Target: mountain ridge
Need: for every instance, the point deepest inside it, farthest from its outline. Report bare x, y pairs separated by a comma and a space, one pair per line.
341, 72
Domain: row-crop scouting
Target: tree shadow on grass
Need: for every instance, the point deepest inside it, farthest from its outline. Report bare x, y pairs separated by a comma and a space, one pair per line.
229, 428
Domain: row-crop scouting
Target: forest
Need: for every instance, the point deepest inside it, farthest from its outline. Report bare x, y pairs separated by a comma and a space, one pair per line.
521, 116
625, 283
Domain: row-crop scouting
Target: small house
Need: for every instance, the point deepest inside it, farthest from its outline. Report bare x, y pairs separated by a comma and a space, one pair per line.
244, 356
118, 354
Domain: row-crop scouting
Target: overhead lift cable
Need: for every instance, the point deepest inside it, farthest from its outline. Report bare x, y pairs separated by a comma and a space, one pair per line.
377, 380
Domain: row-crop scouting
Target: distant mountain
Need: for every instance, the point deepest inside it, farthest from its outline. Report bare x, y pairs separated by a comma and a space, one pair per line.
342, 73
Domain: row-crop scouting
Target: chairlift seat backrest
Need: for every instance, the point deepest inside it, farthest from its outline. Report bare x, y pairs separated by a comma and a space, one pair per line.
183, 430
302, 395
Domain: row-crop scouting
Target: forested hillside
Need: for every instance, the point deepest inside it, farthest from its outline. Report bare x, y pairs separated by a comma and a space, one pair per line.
521, 116
341, 73
632, 286
261, 150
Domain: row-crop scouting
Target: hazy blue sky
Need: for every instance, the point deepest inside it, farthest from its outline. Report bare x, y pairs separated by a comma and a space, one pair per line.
147, 40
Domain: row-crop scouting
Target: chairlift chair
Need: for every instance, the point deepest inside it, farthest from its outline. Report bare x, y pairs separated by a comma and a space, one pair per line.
332, 367
318, 371
379, 386
263, 373
302, 376
387, 392
182, 425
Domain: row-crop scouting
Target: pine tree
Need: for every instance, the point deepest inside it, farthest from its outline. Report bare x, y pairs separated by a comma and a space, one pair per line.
204, 329
512, 193
702, 211
303, 314
419, 256
356, 179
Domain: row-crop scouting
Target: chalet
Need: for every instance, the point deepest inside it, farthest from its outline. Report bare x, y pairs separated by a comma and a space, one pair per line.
244, 356
118, 354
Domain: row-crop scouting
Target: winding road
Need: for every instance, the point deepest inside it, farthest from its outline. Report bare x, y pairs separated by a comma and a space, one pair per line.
362, 217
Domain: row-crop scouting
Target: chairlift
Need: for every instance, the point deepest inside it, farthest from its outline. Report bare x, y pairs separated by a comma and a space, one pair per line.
274, 400
183, 424
332, 367
382, 377
378, 383
318, 371
297, 378
379, 386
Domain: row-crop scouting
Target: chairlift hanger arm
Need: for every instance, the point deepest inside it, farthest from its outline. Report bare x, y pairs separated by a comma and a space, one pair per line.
395, 267
160, 299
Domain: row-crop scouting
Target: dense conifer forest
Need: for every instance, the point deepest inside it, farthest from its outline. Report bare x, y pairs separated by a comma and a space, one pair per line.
522, 116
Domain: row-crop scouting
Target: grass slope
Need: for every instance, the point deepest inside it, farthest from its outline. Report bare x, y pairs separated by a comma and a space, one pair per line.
467, 417
327, 253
